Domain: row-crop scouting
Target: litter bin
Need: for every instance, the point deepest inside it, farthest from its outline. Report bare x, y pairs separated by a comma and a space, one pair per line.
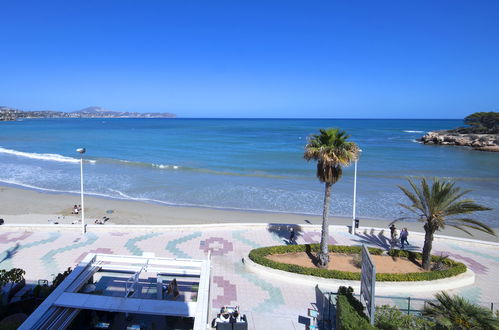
356, 223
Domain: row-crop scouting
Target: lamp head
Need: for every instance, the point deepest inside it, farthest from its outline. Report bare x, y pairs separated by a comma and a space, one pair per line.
81, 150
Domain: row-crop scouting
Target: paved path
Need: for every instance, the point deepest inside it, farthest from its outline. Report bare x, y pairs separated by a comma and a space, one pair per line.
269, 303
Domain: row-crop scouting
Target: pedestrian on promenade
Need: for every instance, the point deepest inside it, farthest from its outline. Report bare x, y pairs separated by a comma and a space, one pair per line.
393, 232
292, 236
403, 237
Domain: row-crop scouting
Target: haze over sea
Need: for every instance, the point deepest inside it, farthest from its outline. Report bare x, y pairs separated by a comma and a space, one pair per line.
248, 164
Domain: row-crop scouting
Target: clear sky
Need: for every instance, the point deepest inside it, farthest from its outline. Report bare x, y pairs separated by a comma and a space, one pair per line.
238, 58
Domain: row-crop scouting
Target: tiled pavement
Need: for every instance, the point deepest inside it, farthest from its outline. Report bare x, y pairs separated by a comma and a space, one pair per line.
268, 303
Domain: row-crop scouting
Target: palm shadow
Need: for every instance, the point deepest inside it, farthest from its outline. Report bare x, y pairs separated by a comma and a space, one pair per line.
11, 253
313, 257
382, 241
283, 232
379, 240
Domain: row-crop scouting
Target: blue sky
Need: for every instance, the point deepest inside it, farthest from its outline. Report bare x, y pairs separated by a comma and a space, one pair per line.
317, 59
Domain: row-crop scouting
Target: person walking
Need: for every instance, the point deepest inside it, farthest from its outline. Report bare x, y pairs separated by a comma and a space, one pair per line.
292, 236
393, 232
403, 237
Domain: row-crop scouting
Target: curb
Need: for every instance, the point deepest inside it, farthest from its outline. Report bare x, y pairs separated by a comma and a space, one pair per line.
152, 228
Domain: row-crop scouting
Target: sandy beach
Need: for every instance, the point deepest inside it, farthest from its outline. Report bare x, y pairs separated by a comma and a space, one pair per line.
22, 206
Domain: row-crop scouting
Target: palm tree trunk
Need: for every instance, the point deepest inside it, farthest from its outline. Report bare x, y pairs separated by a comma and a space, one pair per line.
428, 242
323, 255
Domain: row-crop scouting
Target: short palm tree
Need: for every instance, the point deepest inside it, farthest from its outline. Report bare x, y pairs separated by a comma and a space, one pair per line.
439, 206
457, 313
331, 150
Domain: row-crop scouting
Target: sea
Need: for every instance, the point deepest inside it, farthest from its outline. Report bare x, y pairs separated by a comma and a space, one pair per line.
239, 164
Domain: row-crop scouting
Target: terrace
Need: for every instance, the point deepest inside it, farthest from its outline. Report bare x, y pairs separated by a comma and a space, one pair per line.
129, 290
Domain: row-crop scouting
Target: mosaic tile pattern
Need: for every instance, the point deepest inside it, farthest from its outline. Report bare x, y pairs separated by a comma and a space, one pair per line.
216, 245
43, 254
131, 244
177, 252
229, 296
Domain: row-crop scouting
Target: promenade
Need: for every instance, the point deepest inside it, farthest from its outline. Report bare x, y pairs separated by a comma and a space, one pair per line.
44, 251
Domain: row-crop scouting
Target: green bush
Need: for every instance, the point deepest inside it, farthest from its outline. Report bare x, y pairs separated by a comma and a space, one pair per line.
390, 318
350, 312
259, 256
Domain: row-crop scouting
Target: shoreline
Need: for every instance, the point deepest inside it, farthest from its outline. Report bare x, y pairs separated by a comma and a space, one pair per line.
29, 206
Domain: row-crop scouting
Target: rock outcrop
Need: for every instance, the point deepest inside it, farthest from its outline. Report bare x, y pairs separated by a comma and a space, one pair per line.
484, 142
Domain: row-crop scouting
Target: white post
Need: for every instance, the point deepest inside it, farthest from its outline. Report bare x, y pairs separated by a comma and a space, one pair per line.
82, 205
354, 196
82, 151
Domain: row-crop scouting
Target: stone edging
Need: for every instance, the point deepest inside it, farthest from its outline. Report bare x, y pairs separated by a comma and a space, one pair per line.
458, 281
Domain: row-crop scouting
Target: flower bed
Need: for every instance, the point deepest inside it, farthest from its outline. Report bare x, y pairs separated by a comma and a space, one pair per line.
259, 256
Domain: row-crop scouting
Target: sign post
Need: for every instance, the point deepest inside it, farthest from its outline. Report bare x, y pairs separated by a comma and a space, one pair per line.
368, 282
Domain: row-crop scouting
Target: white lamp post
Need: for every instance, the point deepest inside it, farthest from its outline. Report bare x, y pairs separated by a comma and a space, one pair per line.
82, 151
354, 193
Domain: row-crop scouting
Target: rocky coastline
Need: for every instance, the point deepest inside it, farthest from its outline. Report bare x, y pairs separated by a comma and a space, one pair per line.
482, 142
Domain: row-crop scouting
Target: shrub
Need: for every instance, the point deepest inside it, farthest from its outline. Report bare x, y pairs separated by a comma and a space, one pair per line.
259, 256
390, 318
455, 312
350, 312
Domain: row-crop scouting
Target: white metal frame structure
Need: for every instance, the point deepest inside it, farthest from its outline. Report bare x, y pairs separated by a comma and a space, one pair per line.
59, 309
83, 228
368, 282
354, 204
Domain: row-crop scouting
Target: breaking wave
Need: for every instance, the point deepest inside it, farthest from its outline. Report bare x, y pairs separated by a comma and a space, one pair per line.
47, 157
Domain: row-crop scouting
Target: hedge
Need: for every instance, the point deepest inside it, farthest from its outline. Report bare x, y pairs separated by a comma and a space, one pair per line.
349, 312
259, 256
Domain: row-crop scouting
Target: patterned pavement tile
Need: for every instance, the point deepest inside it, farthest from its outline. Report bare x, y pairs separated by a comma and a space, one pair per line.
261, 298
131, 244
172, 244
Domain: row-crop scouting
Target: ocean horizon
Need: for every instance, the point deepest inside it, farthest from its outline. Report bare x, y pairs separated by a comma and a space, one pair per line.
237, 163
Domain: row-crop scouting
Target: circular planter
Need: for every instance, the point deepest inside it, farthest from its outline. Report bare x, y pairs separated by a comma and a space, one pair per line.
455, 277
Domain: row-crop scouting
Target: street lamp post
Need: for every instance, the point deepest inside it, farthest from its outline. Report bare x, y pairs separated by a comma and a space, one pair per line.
354, 193
82, 151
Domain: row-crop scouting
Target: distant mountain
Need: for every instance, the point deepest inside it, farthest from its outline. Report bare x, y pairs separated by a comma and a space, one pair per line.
7, 113
96, 110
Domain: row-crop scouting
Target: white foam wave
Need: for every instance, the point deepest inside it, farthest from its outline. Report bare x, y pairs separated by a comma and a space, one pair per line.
416, 141
25, 185
161, 166
414, 131
48, 157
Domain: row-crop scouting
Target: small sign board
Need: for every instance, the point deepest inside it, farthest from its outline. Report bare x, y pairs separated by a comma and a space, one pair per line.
368, 282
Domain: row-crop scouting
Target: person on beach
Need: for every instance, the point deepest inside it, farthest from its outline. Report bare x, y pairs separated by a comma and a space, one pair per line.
75, 209
403, 237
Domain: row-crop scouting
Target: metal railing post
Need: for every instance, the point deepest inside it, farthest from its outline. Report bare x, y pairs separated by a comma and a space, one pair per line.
408, 305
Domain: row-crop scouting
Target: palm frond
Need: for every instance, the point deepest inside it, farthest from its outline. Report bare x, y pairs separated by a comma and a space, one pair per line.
441, 200
331, 150
471, 223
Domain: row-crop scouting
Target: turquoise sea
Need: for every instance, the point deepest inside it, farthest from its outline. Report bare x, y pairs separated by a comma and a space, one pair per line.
249, 164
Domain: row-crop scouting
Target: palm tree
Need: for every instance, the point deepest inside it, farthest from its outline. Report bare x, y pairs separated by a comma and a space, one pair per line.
438, 206
458, 313
331, 150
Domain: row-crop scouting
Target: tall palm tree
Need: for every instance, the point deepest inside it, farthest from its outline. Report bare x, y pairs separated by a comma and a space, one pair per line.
457, 313
439, 206
331, 150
